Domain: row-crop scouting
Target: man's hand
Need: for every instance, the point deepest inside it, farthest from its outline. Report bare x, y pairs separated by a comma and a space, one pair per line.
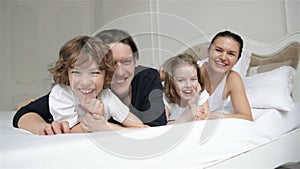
55, 128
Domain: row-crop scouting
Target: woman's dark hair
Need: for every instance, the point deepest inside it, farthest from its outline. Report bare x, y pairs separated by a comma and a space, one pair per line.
231, 35
118, 36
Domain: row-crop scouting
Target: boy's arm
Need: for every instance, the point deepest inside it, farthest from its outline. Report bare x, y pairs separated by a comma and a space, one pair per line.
132, 121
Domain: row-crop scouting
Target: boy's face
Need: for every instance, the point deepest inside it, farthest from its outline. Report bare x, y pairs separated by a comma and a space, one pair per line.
86, 80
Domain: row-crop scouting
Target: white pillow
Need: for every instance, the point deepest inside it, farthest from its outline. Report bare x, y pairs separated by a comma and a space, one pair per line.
271, 89
243, 63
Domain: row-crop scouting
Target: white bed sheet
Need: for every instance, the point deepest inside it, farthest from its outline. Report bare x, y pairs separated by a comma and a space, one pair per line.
21, 149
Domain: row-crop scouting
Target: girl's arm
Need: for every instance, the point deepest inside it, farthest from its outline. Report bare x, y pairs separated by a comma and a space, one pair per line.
187, 116
236, 90
167, 112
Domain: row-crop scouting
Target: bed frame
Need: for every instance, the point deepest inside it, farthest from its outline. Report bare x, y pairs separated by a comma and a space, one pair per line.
283, 150
25, 150
265, 57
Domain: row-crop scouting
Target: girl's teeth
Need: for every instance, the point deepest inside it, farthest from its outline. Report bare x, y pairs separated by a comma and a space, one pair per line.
189, 91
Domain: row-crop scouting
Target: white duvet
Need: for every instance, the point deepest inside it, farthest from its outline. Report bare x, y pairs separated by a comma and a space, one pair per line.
190, 145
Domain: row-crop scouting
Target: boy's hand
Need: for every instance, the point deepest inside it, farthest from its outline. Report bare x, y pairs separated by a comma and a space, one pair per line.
92, 105
90, 123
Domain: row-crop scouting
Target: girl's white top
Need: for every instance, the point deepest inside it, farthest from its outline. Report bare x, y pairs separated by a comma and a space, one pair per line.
176, 111
64, 105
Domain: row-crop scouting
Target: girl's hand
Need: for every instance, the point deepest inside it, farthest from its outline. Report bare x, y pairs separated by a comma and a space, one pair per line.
194, 99
202, 115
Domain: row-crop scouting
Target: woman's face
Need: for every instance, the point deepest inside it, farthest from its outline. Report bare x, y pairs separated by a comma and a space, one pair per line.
125, 66
86, 80
223, 54
186, 82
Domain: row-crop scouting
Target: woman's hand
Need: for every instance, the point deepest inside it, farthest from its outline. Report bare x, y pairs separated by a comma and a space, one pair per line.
55, 128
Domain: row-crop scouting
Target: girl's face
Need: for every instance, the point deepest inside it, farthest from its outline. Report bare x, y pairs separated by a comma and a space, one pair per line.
125, 66
86, 80
186, 82
223, 54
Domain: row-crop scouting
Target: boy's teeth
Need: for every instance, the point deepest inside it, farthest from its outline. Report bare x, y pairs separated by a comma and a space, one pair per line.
86, 91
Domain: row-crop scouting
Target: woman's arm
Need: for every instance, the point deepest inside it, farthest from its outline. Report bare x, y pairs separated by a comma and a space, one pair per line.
236, 90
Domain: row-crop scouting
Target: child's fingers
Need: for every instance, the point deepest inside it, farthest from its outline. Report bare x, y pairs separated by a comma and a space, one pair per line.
98, 116
197, 88
92, 105
80, 96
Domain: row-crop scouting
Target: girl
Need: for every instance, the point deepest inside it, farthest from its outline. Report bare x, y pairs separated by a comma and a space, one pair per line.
184, 97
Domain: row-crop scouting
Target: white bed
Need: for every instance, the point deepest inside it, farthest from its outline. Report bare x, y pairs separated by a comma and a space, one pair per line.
272, 140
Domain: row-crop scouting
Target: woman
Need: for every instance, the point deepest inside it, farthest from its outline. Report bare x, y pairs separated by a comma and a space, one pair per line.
223, 83
137, 87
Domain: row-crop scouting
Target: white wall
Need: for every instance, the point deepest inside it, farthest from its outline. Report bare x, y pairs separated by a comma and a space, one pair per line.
31, 32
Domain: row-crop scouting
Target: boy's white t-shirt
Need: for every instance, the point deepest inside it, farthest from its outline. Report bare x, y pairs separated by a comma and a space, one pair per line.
176, 111
64, 105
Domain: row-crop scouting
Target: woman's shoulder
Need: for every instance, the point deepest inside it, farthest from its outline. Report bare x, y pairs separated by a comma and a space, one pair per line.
234, 81
233, 76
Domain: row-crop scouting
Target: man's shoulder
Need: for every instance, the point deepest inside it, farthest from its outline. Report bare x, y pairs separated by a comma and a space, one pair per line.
143, 71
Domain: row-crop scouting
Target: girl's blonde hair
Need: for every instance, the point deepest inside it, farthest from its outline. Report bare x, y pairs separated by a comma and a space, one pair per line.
78, 51
168, 70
